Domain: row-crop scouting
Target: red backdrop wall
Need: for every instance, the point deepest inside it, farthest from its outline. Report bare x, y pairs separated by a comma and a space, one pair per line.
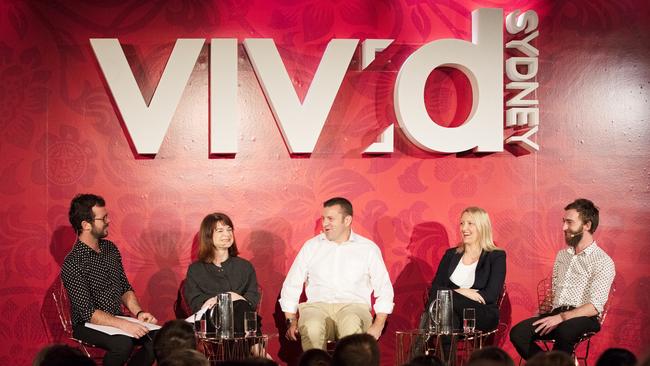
60, 134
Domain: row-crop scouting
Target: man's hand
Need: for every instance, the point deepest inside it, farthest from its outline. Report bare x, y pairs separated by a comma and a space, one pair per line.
548, 324
471, 293
375, 330
292, 332
377, 325
137, 330
147, 318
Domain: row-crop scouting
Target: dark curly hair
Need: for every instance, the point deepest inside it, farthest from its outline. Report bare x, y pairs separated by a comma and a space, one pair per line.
81, 209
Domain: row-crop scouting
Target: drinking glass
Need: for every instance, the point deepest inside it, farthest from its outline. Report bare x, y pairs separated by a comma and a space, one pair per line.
469, 320
250, 324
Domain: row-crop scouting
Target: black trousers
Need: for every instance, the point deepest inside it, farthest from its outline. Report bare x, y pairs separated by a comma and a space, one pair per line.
566, 335
119, 347
239, 308
487, 316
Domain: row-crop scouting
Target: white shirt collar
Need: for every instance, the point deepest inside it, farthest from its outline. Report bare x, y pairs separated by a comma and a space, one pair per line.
590, 248
353, 238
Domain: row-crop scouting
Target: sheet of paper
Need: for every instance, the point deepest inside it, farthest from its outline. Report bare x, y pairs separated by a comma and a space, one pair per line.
117, 331
149, 326
192, 318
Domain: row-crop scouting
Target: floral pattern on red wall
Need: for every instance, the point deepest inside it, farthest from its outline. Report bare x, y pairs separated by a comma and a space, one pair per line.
61, 134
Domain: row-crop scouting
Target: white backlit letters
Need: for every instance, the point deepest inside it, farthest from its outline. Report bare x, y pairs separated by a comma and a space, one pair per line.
301, 123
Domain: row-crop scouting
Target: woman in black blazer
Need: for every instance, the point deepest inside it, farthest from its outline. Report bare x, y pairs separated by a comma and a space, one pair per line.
475, 270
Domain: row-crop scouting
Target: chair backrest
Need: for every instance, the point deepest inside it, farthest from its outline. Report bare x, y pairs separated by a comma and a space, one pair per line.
62, 303
501, 297
545, 298
545, 295
259, 302
181, 308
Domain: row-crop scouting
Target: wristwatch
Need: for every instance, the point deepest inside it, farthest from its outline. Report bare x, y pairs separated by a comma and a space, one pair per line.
290, 321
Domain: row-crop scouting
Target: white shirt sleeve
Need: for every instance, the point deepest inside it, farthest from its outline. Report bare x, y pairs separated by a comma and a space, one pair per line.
380, 283
292, 286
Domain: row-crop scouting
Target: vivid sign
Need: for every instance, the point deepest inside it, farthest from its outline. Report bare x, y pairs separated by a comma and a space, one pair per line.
481, 60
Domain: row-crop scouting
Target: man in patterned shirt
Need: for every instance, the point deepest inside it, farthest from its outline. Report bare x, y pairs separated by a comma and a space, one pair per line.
582, 276
94, 279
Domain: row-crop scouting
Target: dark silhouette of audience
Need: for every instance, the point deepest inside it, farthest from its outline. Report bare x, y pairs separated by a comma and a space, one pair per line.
175, 335
553, 358
61, 355
315, 357
429, 360
356, 350
257, 361
175, 345
616, 357
490, 356
184, 357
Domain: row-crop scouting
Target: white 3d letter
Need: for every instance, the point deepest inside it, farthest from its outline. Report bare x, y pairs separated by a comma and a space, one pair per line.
300, 124
224, 120
481, 61
147, 125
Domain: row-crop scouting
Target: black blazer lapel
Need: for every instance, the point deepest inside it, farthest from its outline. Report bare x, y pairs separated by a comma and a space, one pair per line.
453, 263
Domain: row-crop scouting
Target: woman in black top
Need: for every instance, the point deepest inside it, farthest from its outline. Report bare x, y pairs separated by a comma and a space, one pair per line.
475, 270
220, 270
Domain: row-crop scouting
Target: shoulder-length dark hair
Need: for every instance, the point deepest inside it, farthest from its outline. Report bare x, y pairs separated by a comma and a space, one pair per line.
206, 244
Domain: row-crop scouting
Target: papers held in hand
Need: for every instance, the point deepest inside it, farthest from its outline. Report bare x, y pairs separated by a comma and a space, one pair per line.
117, 331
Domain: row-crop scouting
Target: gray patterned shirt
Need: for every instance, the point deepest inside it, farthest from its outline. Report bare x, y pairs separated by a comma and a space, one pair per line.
584, 278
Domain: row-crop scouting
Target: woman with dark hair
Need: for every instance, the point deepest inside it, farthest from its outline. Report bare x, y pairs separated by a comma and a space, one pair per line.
220, 270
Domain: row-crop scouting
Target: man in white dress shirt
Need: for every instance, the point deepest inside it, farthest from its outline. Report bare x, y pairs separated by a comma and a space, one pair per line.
340, 270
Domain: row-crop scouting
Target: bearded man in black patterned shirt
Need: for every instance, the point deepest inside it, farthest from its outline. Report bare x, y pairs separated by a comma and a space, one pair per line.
582, 277
94, 279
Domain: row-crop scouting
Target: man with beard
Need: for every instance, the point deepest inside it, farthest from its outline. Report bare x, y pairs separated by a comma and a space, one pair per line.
94, 279
582, 276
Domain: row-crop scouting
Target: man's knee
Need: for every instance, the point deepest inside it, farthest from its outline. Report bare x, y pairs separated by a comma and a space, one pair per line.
566, 338
350, 324
313, 330
121, 347
521, 332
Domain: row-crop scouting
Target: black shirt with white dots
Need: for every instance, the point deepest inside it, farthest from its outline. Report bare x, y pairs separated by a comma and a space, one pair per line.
94, 280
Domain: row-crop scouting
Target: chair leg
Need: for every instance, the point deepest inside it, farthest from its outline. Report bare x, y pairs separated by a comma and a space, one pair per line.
83, 347
586, 354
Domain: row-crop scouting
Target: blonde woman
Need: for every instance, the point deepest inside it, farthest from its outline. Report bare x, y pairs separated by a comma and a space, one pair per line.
475, 269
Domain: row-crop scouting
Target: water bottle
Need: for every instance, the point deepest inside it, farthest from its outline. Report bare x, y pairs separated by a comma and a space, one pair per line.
224, 317
444, 311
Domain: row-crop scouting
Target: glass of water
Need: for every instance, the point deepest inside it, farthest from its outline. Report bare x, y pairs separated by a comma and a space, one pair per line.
250, 324
469, 320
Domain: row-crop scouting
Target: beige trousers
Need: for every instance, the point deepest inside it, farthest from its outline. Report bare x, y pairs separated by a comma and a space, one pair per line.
320, 322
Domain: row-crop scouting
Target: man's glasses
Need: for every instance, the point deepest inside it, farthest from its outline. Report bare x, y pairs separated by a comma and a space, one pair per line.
105, 219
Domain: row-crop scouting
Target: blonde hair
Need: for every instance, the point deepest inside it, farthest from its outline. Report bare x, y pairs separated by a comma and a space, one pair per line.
484, 228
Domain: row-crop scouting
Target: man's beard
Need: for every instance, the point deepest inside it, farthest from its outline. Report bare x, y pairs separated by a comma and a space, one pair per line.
573, 238
99, 234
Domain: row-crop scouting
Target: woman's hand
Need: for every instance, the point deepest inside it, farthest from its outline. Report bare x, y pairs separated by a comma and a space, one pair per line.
235, 296
471, 294
209, 303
